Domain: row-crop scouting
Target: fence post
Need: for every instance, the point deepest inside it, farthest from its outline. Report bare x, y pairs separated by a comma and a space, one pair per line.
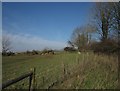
12, 81
64, 70
43, 79
78, 60
34, 70
30, 82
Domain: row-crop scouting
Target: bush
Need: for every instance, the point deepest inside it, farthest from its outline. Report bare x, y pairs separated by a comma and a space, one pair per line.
34, 52
106, 47
70, 49
8, 53
45, 51
28, 52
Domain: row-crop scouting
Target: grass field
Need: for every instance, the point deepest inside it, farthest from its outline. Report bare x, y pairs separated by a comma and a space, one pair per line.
86, 70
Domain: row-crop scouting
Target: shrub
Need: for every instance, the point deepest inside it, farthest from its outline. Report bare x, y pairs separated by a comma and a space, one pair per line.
70, 49
45, 51
8, 53
34, 52
106, 47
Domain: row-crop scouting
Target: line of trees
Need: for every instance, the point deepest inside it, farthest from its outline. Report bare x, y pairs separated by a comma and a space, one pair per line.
106, 23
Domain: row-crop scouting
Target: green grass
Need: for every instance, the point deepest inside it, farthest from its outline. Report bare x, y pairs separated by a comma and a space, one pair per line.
87, 70
48, 66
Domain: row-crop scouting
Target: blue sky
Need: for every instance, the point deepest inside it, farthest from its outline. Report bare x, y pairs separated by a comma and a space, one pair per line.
48, 24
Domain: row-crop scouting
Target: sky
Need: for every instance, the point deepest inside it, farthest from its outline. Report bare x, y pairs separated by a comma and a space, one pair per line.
44, 24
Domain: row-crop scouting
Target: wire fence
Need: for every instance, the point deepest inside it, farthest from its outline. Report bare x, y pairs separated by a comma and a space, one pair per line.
30, 75
49, 77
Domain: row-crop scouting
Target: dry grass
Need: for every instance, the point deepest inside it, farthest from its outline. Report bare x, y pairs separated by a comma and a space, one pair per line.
93, 72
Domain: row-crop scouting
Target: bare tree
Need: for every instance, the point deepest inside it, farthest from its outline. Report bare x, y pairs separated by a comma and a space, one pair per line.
103, 19
116, 20
89, 29
78, 37
6, 44
81, 36
116, 16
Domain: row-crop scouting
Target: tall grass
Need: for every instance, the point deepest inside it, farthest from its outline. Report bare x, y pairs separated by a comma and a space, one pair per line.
93, 72
86, 70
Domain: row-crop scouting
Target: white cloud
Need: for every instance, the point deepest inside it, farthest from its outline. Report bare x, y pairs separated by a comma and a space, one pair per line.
23, 42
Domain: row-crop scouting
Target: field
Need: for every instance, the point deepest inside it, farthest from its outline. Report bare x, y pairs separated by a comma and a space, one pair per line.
85, 70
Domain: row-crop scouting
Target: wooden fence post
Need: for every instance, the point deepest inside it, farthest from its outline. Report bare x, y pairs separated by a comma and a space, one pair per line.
64, 71
12, 81
32, 80
78, 60
43, 79
30, 83
34, 70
